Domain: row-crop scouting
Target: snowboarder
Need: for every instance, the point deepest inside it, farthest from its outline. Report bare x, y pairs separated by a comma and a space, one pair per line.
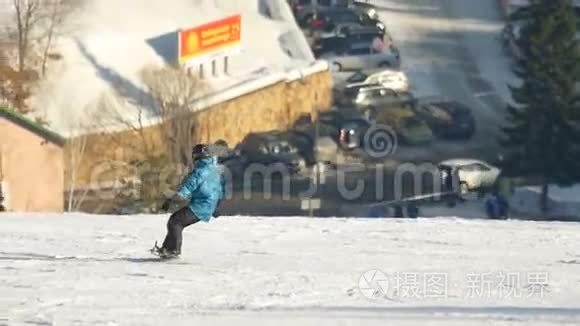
204, 187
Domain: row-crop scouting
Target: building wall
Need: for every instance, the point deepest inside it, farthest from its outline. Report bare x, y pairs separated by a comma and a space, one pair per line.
32, 170
273, 108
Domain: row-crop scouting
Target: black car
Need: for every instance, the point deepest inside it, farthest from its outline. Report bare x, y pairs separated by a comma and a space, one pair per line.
326, 19
300, 8
447, 119
271, 148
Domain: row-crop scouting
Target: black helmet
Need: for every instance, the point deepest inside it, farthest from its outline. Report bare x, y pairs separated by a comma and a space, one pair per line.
199, 151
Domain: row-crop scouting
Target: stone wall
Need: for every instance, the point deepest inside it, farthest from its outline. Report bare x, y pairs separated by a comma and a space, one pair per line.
272, 108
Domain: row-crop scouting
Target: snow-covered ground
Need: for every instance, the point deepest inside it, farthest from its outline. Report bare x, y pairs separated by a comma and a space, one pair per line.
95, 270
106, 43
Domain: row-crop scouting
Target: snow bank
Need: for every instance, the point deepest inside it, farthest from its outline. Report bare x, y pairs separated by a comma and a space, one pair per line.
109, 41
78, 269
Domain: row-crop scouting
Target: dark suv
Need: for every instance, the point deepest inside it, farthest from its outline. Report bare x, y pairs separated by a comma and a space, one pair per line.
270, 148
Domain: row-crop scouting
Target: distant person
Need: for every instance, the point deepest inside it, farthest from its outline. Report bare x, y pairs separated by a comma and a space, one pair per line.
204, 187
496, 206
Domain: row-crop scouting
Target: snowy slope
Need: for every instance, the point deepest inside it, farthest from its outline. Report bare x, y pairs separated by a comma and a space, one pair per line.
94, 270
107, 42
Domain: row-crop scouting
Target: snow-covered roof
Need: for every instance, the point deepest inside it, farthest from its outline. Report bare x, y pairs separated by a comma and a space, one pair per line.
108, 42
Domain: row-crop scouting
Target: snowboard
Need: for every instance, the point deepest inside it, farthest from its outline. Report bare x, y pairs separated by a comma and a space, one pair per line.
156, 251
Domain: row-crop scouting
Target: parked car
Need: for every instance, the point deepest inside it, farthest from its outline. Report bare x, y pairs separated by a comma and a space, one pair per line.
345, 126
472, 174
361, 55
448, 119
368, 8
300, 8
349, 33
304, 143
409, 128
393, 79
325, 19
339, 16
352, 54
271, 148
346, 34
357, 32
223, 152
370, 99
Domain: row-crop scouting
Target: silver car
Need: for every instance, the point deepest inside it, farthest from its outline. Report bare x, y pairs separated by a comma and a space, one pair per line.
473, 174
371, 98
357, 56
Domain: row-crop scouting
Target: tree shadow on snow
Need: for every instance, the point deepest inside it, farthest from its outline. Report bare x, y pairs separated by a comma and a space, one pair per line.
122, 86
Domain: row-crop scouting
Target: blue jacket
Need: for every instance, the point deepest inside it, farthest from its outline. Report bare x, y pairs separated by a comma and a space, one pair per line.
204, 186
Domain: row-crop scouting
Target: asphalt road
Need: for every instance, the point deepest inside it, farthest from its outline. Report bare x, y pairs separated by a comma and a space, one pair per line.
450, 48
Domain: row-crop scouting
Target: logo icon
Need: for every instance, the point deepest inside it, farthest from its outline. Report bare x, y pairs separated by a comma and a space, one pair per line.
373, 284
380, 141
192, 43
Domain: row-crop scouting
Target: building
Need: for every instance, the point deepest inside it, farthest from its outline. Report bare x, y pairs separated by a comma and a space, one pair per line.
31, 165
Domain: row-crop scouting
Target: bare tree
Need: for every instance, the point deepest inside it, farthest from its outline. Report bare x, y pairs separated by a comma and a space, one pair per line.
35, 22
175, 92
75, 153
55, 12
26, 16
117, 117
161, 126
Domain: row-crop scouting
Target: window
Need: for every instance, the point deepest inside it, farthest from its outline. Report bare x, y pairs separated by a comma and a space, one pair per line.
344, 17
475, 167
360, 51
357, 77
481, 167
411, 123
383, 92
438, 113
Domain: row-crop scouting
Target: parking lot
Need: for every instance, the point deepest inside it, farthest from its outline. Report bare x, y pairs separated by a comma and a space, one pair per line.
406, 66
449, 51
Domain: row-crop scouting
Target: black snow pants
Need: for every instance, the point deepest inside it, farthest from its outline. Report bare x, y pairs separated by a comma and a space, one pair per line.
175, 225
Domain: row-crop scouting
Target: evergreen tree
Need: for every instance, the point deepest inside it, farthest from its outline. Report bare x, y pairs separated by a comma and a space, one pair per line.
542, 136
